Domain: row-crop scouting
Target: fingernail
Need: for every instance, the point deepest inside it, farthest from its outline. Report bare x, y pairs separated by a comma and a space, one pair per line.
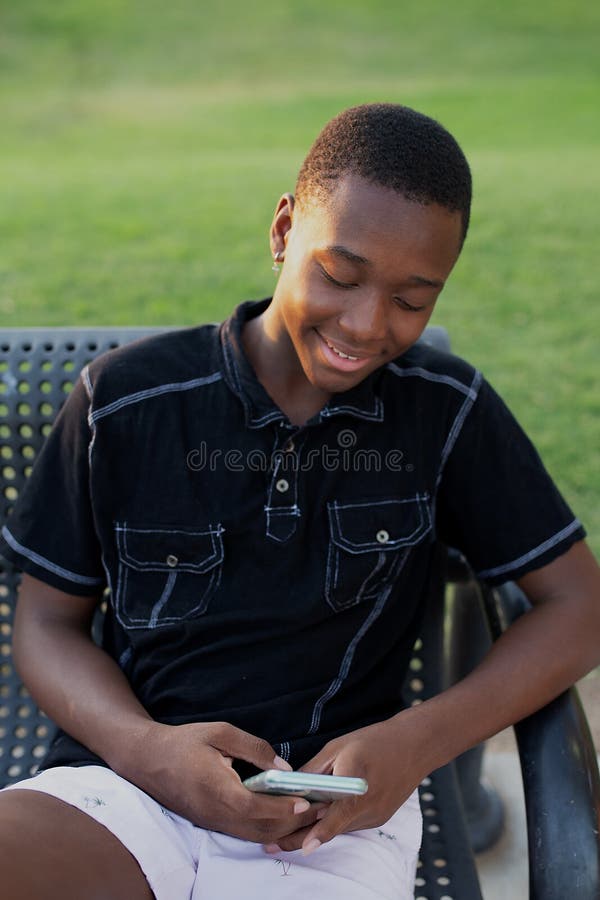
311, 846
301, 806
272, 848
322, 812
280, 763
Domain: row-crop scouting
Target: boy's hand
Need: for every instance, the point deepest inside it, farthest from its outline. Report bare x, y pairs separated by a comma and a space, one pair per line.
188, 768
387, 755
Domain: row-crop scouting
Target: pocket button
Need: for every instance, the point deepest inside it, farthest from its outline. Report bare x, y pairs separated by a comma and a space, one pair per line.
171, 561
382, 536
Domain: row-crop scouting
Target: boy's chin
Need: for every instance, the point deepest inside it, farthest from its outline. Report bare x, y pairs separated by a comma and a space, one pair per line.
336, 383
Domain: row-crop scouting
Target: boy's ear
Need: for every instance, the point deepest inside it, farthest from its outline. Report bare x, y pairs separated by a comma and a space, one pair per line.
282, 222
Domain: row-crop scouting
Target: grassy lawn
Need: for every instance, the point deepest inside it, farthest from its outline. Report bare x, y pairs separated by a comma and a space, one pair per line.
144, 146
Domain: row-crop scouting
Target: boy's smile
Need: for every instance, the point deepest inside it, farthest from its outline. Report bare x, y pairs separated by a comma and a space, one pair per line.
343, 358
363, 269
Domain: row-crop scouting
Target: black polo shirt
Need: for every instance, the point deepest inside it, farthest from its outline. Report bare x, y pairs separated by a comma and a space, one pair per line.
262, 573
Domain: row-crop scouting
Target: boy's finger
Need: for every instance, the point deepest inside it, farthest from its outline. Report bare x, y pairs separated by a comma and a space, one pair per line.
336, 820
320, 764
243, 745
290, 842
257, 805
293, 840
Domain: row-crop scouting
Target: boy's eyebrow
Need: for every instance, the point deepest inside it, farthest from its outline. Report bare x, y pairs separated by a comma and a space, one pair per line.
355, 258
430, 282
348, 254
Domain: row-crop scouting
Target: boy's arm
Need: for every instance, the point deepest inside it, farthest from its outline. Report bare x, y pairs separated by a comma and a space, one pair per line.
541, 655
68, 675
187, 767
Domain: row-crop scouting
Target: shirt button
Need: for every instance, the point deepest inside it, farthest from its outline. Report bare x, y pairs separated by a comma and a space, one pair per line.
282, 485
172, 561
382, 536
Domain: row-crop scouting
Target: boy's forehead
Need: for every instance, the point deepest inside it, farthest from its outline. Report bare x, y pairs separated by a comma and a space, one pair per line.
362, 215
352, 196
355, 202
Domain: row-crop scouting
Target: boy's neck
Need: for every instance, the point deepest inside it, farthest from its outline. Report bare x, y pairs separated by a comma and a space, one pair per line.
277, 368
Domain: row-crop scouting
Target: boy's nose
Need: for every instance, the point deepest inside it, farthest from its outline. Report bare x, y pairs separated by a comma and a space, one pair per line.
363, 322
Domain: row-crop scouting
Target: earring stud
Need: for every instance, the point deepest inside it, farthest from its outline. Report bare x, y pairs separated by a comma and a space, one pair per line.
277, 260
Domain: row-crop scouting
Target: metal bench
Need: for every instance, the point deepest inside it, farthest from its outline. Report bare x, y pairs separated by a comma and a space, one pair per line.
560, 772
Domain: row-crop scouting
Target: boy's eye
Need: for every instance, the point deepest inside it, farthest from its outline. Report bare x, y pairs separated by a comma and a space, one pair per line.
330, 278
404, 304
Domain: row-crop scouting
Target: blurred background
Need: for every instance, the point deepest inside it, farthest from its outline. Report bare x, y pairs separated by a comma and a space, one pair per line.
143, 147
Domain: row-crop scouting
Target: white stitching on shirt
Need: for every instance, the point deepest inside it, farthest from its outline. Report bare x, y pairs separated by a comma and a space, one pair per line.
284, 750
230, 360
381, 559
123, 526
373, 415
331, 583
433, 376
153, 392
371, 503
46, 563
457, 425
158, 606
232, 371
537, 551
292, 511
85, 377
276, 414
337, 682
425, 520
124, 613
125, 657
455, 430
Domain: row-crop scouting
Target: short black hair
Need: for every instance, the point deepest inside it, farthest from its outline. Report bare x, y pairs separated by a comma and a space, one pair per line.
393, 146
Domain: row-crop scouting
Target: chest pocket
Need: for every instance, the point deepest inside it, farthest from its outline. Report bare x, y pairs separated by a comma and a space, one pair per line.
166, 576
368, 545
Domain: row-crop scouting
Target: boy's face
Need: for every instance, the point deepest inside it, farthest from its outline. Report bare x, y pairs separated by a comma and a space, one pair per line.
362, 272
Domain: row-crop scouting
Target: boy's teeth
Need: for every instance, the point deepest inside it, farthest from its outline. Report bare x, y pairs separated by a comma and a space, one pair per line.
339, 352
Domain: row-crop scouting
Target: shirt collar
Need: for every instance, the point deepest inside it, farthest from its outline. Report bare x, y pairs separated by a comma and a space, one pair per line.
361, 401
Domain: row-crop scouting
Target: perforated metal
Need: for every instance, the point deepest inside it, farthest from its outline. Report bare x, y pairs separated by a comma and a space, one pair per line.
37, 370
446, 868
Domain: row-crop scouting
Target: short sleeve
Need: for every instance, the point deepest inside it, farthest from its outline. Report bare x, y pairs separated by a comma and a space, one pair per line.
496, 503
50, 533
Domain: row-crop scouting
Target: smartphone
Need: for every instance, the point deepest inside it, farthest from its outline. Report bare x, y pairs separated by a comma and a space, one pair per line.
316, 788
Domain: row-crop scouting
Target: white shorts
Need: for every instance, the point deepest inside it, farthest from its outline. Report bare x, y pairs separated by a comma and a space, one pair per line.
184, 862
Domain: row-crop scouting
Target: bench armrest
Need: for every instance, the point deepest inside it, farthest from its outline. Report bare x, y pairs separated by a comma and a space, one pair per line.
560, 781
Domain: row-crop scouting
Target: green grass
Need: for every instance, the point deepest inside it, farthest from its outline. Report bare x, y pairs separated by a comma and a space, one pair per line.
144, 146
